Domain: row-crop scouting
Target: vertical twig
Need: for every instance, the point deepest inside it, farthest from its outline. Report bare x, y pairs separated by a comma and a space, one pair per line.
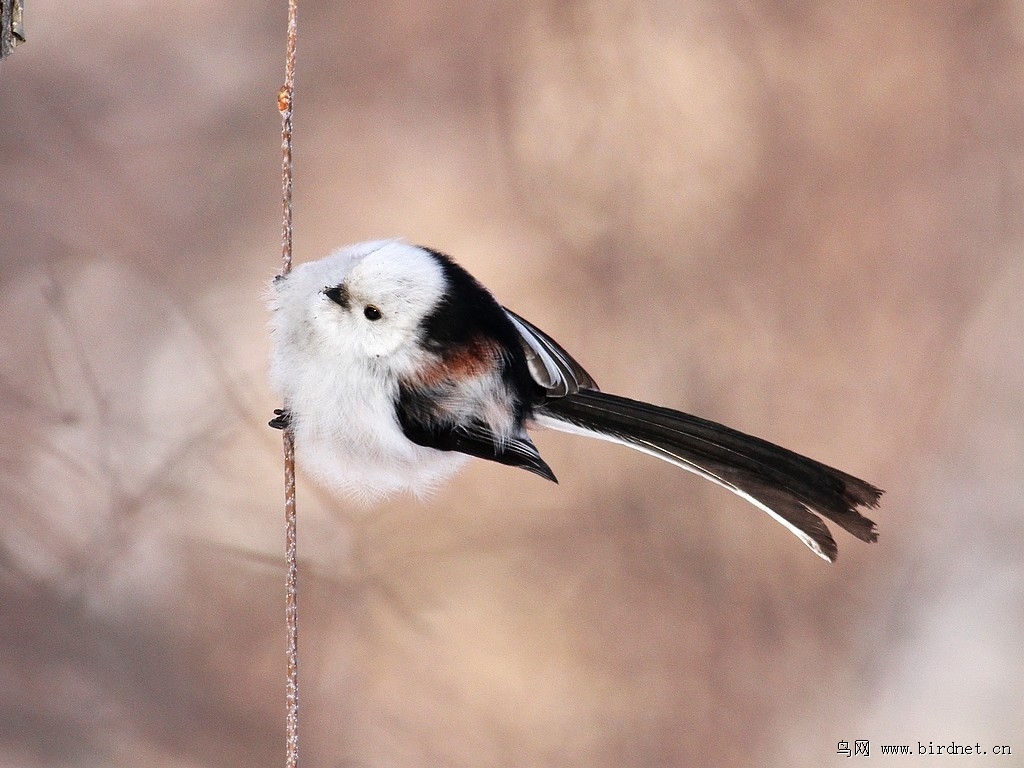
284, 104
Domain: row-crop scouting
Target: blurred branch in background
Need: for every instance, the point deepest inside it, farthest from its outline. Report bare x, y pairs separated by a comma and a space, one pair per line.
12, 26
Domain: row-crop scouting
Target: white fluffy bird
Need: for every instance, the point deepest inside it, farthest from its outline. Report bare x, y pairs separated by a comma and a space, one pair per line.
395, 365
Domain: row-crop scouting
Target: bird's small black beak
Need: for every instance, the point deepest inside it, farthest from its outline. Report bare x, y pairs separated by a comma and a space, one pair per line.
338, 294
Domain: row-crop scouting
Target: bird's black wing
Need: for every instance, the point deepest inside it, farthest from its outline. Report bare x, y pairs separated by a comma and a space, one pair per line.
421, 415
550, 365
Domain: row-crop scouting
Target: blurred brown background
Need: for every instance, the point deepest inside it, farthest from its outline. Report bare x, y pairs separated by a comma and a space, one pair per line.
802, 219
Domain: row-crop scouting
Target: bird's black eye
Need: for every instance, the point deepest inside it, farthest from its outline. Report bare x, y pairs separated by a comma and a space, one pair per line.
371, 312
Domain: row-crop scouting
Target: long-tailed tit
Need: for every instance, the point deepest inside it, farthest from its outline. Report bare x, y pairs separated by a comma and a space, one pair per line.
395, 365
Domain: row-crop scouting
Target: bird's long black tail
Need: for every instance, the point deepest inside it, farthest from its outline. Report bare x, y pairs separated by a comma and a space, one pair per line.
791, 488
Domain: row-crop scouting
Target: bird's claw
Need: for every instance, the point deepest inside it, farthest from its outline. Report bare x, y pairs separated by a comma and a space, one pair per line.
282, 419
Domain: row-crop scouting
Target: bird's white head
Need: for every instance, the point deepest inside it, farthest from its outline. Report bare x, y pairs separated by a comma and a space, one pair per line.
363, 301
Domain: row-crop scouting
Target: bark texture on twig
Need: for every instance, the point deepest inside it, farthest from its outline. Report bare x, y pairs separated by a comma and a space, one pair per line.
284, 103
